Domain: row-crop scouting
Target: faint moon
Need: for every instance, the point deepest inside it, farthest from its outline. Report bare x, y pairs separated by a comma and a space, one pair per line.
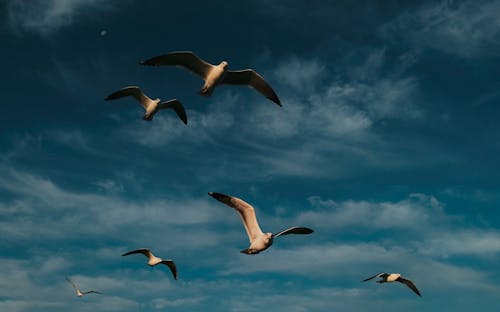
103, 32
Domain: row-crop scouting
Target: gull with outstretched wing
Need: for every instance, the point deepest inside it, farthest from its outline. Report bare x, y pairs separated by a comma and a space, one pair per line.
394, 277
259, 241
80, 293
214, 74
150, 106
153, 260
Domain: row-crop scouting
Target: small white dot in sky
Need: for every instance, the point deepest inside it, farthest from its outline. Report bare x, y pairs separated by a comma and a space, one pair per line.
103, 32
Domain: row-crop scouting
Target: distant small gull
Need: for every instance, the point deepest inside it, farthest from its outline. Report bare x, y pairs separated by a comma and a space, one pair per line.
215, 74
152, 260
394, 277
78, 292
259, 241
151, 106
104, 32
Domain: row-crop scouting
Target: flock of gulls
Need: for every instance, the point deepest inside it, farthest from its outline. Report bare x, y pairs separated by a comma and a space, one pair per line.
215, 75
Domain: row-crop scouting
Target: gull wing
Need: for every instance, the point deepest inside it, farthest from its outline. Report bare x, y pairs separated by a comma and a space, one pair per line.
410, 284
376, 275
144, 251
91, 292
171, 266
252, 79
130, 91
177, 107
186, 59
246, 212
294, 230
72, 285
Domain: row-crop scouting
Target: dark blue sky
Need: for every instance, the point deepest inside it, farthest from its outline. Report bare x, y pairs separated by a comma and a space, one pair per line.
386, 144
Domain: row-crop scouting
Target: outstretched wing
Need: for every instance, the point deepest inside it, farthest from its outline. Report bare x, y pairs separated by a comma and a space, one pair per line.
177, 107
294, 230
144, 251
171, 266
410, 284
376, 275
91, 292
130, 91
72, 284
250, 78
246, 212
186, 59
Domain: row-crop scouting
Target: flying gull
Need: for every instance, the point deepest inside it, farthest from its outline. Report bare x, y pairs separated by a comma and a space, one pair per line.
394, 277
151, 106
259, 241
214, 74
153, 260
79, 293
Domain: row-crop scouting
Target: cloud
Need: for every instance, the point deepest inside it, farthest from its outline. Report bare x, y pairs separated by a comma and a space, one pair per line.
46, 17
336, 116
418, 211
300, 74
462, 28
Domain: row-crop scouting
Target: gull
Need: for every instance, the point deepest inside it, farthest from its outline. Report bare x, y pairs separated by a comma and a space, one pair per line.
394, 277
214, 74
259, 241
153, 260
78, 292
151, 106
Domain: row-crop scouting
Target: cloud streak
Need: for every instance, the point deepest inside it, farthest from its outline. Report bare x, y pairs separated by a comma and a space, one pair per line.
46, 17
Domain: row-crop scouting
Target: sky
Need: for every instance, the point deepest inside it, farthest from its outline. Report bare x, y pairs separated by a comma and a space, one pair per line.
386, 145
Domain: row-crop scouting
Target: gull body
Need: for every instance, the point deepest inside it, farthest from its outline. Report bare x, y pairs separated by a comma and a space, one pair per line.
153, 260
394, 277
150, 106
259, 241
78, 292
214, 74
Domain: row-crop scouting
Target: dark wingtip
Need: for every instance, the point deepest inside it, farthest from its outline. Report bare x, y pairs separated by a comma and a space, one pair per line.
218, 196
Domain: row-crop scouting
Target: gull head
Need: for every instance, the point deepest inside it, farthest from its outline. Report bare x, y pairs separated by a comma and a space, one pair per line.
224, 64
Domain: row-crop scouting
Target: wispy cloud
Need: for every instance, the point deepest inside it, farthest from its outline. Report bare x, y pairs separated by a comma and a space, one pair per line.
327, 115
463, 28
46, 17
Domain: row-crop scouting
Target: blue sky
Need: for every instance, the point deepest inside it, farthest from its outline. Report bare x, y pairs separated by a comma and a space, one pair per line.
386, 145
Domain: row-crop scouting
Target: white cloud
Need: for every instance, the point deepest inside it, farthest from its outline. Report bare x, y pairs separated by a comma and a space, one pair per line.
46, 17
463, 28
417, 211
300, 74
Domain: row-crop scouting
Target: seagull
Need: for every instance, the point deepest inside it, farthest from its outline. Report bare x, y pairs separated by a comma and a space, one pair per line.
259, 241
214, 74
153, 260
78, 292
151, 106
394, 277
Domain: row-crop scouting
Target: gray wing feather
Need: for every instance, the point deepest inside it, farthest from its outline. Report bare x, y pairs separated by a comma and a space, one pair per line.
143, 251
171, 266
410, 284
252, 79
72, 284
92, 292
246, 212
376, 275
177, 107
294, 230
186, 59
130, 91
